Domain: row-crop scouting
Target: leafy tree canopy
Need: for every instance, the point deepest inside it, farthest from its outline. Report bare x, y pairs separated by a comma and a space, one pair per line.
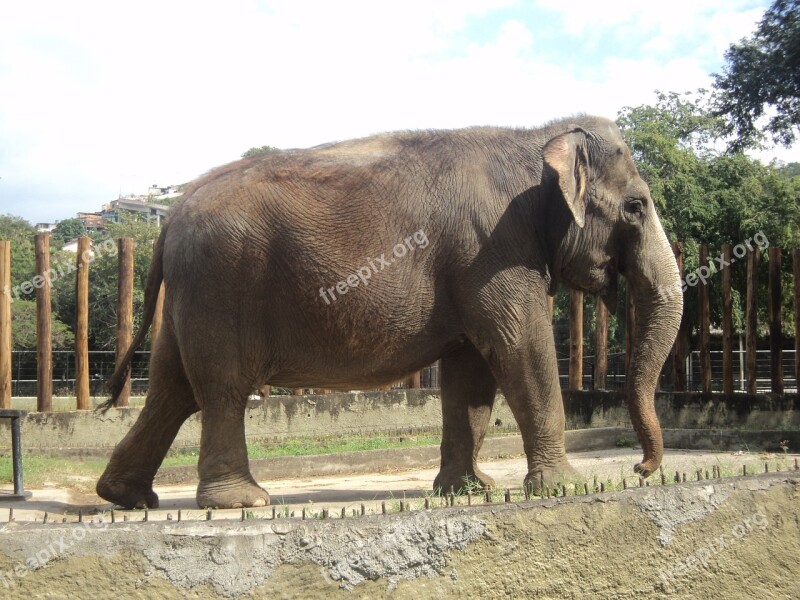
68, 230
760, 72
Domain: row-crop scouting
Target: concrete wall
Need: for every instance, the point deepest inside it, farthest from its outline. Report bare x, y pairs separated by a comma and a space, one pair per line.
735, 538
284, 417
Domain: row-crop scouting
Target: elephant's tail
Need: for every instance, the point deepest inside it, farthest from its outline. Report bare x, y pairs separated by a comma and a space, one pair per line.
115, 385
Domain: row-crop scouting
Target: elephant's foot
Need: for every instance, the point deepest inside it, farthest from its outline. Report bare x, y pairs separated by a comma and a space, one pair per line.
540, 478
227, 494
647, 467
126, 493
462, 481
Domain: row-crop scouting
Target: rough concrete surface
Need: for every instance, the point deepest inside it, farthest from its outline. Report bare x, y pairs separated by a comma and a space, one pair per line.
734, 538
282, 417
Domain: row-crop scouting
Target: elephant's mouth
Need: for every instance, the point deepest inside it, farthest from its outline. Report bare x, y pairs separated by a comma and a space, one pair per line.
608, 292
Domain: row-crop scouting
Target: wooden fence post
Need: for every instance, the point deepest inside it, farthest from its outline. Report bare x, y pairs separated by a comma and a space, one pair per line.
158, 318
705, 323
414, 381
600, 345
124, 309
82, 323
775, 334
751, 333
575, 340
727, 322
44, 334
796, 273
5, 324
678, 364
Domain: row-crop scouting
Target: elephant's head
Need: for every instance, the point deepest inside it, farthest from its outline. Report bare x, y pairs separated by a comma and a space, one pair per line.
607, 224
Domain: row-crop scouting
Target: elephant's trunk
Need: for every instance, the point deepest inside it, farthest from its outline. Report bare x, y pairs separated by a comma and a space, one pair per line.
658, 301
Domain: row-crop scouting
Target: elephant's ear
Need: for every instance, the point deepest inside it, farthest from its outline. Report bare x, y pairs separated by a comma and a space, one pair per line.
566, 156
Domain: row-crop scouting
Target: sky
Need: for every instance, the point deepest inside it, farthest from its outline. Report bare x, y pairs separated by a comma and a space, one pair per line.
102, 99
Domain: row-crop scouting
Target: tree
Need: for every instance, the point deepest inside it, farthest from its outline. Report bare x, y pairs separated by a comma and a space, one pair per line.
763, 71
23, 254
67, 230
259, 150
707, 196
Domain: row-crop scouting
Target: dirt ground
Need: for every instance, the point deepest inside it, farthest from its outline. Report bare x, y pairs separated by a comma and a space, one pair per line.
371, 490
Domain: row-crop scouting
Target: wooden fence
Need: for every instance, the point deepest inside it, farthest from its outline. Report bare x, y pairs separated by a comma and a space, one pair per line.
42, 283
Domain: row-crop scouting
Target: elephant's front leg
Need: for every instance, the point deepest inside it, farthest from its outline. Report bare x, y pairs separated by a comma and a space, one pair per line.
527, 372
225, 479
468, 391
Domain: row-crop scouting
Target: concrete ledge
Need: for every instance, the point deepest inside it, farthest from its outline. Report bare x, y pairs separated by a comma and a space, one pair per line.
725, 538
282, 417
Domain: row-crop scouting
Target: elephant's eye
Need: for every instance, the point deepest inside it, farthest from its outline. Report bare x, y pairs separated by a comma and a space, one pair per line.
634, 206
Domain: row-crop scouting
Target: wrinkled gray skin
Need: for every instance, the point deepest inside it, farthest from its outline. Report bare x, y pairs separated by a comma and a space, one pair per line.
508, 215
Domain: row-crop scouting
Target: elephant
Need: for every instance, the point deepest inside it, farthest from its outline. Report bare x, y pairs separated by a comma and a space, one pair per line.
353, 264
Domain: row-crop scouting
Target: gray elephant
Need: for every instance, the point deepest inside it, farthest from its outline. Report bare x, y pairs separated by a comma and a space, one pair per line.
354, 264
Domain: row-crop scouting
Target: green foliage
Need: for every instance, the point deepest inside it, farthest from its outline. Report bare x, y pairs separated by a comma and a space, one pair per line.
68, 230
763, 71
23, 255
259, 150
23, 327
707, 196
103, 280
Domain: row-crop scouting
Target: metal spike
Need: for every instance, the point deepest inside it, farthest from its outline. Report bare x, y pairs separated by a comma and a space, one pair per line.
274, 513
508, 495
402, 506
113, 517
563, 490
602, 487
624, 484
44, 519
699, 474
677, 477
585, 488
208, 515
683, 477
146, 515
383, 508
10, 515
744, 469
469, 499
303, 517
80, 516
243, 515
180, 514
766, 467
706, 473
663, 478
344, 512
427, 503
363, 510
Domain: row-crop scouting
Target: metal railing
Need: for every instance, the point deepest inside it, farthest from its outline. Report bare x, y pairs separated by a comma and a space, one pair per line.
101, 364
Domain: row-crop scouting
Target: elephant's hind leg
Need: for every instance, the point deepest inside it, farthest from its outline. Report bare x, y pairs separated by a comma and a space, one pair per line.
468, 391
225, 479
128, 478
